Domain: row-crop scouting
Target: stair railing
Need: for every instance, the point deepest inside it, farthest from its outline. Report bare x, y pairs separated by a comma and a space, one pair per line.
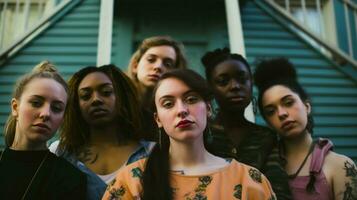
20, 20
301, 21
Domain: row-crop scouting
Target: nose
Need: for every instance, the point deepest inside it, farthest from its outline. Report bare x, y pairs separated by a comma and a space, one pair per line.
235, 85
182, 110
96, 99
159, 66
45, 112
282, 113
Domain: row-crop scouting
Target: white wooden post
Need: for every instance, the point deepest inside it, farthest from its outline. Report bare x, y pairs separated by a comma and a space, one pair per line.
236, 40
105, 32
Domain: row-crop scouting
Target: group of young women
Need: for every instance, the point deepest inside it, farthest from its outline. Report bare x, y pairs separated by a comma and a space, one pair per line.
154, 134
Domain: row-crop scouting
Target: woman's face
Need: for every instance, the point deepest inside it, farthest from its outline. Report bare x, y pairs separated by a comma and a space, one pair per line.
154, 62
39, 112
232, 85
285, 111
97, 99
180, 111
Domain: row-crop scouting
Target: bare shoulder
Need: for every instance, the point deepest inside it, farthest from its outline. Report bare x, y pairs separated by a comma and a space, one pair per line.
343, 172
338, 161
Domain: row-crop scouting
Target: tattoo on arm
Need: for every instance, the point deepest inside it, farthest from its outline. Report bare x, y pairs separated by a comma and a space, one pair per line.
87, 156
351, 187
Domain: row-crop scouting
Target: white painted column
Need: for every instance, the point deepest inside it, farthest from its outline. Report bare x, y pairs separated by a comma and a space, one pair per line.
105, 32
236, 40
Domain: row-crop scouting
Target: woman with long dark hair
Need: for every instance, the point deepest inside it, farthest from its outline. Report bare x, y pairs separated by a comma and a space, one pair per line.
102, 126
179, 166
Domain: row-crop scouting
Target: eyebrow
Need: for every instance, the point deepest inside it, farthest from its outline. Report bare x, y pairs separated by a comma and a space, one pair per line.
170, 96
166, 57
239, 73
283, 98
100, 86
43, 98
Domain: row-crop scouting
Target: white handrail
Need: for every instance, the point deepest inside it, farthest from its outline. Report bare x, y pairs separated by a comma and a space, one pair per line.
334, 50
348, 7
20, 16
22, 39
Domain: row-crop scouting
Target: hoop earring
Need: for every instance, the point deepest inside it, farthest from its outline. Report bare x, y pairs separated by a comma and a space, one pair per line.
255, 105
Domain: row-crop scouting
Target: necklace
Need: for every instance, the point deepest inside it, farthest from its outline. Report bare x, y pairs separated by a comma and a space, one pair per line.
293, 176
34, 176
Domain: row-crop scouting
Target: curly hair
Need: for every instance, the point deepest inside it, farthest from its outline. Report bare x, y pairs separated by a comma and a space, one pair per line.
279, 71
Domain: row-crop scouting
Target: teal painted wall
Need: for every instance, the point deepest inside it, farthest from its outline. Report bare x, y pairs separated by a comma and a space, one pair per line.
200, 26
334, 95
70, 44
203, 27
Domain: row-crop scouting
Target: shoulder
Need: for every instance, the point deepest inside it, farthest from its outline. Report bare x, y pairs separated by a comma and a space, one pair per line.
65, 170
339, 162
127, 183
133, 171
343, 175
63, 166
67, 178
247, 172
253, 180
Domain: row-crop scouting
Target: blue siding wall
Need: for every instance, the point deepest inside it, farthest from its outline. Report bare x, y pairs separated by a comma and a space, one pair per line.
334, 95
202, 27
70, 43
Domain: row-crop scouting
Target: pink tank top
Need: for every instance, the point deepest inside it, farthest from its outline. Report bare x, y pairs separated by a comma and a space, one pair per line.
322, 189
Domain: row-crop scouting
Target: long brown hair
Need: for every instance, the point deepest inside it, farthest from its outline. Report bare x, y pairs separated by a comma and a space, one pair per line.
44, 69
75, 130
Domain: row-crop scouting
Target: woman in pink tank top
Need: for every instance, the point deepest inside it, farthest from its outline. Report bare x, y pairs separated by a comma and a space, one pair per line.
315, 171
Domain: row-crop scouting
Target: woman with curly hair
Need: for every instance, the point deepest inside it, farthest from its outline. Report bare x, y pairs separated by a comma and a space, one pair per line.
315, 171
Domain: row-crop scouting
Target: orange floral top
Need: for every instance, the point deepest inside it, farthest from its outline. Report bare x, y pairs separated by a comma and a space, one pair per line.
235, 181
